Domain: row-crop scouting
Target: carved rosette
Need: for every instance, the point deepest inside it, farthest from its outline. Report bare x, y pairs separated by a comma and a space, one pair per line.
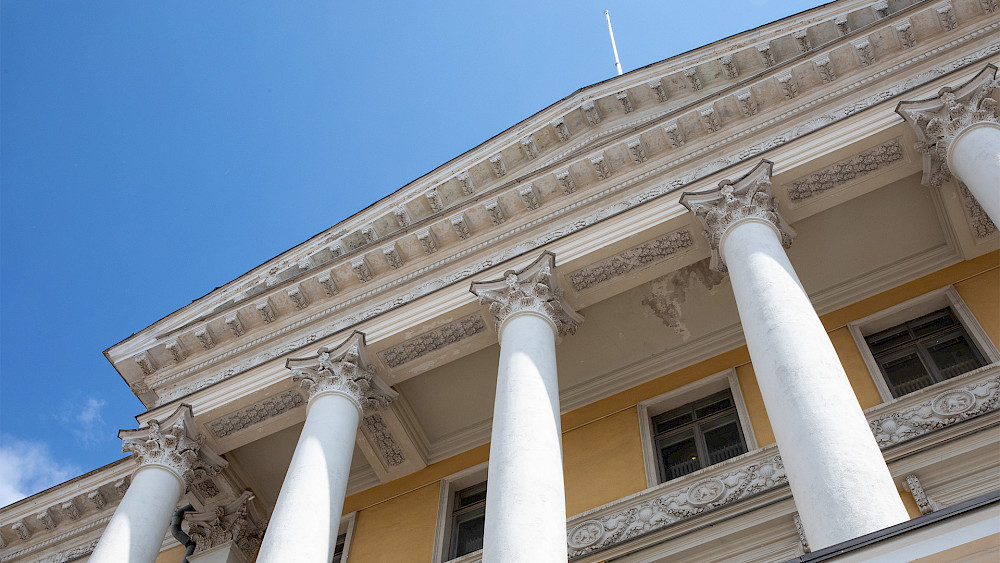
938, 121
345, 369
732, 202
173, 444
531, 289
237, 521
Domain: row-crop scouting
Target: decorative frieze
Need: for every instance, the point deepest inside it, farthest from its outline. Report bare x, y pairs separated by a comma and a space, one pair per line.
842, 25
96, 497
881, 9
266, 310
656, 86
434, 340
464, 180
601, 166
946, 17
369, 233
766, 54
746, 102
748, 197
709, 119
943, 409
328, 283
731, 483
461, 226
345, 369
533, 288
402, 216
145, 362
173, 444
297, 296
45, 519
70, 510
802, 38
981, 224
938, 121
625, 100
257, 413
235, 324
692, 77
636, 150
632, 259
846, 170
22, 530
175, 349
786, 82
863, 48
530, 196
498, 165
435, 200
801, 531
381, 437
393, 256
905, 34
824, 66
362, 269
674, 134
204, 336
561, 129
924, 503
729, 67
565, 181
529, 147
591, 112
989, 6
495, 212
236, 522
427, 241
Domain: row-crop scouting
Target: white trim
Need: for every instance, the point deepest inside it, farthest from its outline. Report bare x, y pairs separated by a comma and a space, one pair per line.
446, 499
682, 396
944, 297
347, 528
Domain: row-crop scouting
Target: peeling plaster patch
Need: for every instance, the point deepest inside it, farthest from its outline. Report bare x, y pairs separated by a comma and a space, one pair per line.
669, 292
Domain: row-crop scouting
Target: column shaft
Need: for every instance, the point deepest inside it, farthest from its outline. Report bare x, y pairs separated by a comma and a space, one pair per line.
306, 518
974, 157
839, 479
139, 524
525, 502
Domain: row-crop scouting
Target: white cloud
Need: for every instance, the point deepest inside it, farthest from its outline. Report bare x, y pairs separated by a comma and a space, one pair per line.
86, 423
27, 467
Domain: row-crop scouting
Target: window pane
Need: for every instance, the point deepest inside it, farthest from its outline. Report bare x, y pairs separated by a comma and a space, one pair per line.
906, 374
723, 439
672, 419
338, 550
954, 356
679, 455
938, 320
470, 535
882, 341
472, 495
718, 406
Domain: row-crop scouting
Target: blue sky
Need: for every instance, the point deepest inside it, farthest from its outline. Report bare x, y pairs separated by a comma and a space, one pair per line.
150, 152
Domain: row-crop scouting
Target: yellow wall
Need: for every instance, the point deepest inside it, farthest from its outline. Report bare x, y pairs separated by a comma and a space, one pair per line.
857, 371
400, 529
602, 461
982, 294
755, 405
172, 555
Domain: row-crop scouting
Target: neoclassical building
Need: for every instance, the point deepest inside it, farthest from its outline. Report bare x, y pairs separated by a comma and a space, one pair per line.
742, 304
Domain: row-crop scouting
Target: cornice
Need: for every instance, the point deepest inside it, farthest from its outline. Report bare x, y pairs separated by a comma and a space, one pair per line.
527, 218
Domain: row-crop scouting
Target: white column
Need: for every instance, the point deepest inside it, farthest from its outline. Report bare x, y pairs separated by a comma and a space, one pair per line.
839, 479
169, 456
959, 135
525, 498
342, 385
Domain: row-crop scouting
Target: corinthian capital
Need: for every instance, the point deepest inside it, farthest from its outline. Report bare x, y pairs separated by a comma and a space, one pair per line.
173, 444
347, 370
747, 198
534, 289
237, 521
938, 121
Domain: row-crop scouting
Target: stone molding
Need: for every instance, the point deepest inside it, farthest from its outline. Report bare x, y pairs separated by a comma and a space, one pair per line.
980, 223
734, 201
345, 369
532, 288
743, 153
938, 121
632, 259
434, 340
257, 413
671, 502
926, 505
236, 521
381, 437
173, 444
801, 532
847, 170
922, 413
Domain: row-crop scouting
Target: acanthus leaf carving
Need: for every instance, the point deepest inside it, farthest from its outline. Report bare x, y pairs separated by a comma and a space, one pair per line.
625, 100
692, 76
145, 362
257, 413
328, 283
362, 269
237, 521
924, 503
981, 224
347, 370
393, 256
402, 216
427, 241
632, 259
905, 34
946, 17
656, 86
204, 336
530, 196
601, 166
381, 437
709, 119
863, 48
298, 297
746, 102
674, 134
235, 324
566, 182
529, 147
434, 340
266, 310
591, 112
464, 180
461, 226
825, 68
498, 165
172, 444
846, 170
729, 67
495, 212
435, 200
789, 87
636, 150
766, 54
562, 131
802, 38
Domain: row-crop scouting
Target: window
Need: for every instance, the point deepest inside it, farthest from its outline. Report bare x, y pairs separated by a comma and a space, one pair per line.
468, 520
698, 434
338, 549
924, 351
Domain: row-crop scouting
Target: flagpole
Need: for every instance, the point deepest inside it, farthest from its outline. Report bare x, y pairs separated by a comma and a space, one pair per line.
618, 65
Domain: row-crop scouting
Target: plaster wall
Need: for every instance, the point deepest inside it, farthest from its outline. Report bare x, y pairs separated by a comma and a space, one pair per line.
602, 461
400, 529
982, 294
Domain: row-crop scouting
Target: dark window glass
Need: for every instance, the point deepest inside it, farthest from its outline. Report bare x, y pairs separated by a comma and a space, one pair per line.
338, 549
924, 351
468, 521
697, 435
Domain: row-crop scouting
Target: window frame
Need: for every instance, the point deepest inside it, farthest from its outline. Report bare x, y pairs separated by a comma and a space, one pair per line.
346, 529
686, 394
910, 310
449, 486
